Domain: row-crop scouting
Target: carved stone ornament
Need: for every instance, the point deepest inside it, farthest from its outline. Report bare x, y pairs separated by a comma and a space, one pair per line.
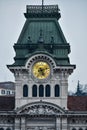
40, 109
39, 57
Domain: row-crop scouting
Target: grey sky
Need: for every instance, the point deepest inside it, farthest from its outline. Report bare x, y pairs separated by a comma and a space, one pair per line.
73, 23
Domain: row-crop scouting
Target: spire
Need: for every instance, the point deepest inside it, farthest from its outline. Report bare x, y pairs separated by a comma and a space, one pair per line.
42, 5
79, 91
78, 87
42, 2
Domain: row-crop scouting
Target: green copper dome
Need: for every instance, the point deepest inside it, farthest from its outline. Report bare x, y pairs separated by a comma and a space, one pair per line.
42, 34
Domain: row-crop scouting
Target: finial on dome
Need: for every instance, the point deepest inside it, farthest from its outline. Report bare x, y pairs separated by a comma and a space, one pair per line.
52, 39
41, 37
29, 39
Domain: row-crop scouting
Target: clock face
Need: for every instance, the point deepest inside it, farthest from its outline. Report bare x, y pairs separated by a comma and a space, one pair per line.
41, 70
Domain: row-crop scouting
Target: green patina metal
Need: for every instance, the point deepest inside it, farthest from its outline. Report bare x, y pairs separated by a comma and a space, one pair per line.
49, 26
42, 34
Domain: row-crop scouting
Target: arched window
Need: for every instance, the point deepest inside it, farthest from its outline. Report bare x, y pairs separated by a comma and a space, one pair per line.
47, 91
73, 121
1, 129
8, 129
57, 91
25, 91
73, 128
41, 91
34, 91
80, 129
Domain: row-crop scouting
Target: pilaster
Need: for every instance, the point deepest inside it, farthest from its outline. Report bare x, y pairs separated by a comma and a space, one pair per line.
58, 123
64, 88
64, 123
23, 123
17, 124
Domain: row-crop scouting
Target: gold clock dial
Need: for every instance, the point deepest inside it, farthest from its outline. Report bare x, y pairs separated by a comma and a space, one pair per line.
41, 70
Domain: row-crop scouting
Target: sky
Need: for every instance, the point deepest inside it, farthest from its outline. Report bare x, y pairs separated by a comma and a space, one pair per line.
73, 22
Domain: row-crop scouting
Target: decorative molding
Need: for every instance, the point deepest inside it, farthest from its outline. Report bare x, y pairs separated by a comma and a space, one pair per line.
6, 120
39, 57
40, 108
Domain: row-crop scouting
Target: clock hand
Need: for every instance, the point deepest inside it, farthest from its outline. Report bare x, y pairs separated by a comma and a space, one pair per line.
41, 71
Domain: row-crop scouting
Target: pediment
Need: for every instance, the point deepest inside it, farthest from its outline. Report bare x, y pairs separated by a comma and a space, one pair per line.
40, 108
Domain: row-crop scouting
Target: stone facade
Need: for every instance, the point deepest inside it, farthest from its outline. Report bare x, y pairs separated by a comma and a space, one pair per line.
58, 76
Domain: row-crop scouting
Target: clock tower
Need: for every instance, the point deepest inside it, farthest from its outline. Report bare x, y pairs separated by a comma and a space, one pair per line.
41, 64
41, 69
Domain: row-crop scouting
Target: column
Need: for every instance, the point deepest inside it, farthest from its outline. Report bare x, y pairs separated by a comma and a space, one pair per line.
52, 89
30, 90
64, 123
17, 124
64, 89
58, 123
22, 123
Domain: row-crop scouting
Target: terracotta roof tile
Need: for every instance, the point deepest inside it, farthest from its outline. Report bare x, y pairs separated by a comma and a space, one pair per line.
7, 85
77, 103
7, 103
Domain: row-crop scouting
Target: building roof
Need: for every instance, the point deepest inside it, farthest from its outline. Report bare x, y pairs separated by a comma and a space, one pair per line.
7, 103
7, 85
75, 103
41, 27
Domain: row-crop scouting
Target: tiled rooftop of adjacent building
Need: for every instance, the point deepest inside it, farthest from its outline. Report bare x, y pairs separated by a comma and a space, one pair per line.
7, 85
75, 103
